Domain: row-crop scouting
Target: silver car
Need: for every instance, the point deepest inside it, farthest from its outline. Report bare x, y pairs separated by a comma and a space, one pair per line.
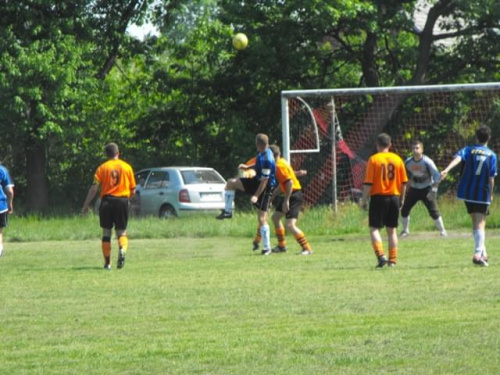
178, 191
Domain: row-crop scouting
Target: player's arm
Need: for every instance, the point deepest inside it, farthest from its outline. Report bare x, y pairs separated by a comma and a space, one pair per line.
363, 203
456, 161
288, 194
133, 184
245, 166
260, 189
403, 193
9, 192
300, 173
275, 194
248, 164
492, 184
90, 196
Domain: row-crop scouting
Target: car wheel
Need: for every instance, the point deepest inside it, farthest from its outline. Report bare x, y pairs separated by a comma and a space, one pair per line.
167, 212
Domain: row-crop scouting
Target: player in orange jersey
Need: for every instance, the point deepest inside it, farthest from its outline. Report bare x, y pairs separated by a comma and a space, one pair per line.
116, 180
385, 185
288, 205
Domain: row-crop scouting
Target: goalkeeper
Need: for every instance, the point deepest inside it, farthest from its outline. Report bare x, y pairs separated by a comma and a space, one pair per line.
424, 180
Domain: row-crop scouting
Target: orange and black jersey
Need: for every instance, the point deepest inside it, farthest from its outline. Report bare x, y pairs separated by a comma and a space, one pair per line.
284, 173
116, 178
386, 173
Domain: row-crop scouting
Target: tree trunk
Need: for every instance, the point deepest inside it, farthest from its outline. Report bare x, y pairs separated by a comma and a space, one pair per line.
37, 189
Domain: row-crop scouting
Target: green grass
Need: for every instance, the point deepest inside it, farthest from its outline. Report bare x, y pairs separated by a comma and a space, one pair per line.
212, 306
314, 222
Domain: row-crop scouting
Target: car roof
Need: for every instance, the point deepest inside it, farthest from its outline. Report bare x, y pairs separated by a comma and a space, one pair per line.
174, 167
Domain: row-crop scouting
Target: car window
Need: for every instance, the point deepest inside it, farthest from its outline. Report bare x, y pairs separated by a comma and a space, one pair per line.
157, 180
201, 176
140, 178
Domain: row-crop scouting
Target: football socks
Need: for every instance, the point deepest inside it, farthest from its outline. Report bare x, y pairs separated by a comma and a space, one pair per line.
229, 199
266, 240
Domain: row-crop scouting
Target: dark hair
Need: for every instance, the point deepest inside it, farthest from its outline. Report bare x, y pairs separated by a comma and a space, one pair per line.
275, 149
384, 140
111, 150
417, 142
483, 133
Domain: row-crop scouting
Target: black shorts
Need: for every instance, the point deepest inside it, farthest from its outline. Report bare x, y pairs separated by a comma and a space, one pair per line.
296, 200
413, 196
250, 185
4, 219
384, 211
113, 211
477, 208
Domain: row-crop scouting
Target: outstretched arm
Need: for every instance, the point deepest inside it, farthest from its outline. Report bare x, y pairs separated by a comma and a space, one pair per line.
450, 166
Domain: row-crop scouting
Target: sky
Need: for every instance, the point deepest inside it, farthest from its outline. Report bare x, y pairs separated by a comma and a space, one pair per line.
139, 32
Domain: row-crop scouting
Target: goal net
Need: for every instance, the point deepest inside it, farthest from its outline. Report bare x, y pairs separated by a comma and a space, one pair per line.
331, 133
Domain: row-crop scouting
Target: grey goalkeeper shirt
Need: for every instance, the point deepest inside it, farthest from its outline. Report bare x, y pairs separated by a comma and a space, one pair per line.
422, 173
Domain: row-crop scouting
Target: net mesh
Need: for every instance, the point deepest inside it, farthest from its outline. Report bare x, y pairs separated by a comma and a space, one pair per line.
343, 128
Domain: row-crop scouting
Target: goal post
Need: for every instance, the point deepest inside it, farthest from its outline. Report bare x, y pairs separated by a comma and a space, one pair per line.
332, 132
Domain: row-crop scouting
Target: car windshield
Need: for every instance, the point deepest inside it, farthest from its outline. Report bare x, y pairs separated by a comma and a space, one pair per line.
201, 176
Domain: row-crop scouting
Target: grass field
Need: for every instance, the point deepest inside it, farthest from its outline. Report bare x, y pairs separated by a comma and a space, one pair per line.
212, 306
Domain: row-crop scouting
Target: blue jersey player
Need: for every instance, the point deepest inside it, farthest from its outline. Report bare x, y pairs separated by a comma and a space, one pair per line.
476, 186
6, 201
260, 187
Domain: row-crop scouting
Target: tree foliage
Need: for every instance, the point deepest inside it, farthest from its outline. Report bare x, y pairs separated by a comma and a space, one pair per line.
71, 79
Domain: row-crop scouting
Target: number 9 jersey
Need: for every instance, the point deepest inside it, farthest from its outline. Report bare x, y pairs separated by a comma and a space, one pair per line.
479, 166
386, 173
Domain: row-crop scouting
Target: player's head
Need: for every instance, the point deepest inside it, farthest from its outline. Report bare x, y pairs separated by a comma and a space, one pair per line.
483, 134
417, 148
261, 141
276, 151
111, 150
383, 141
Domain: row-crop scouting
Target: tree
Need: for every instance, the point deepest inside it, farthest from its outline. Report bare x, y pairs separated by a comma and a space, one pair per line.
50, 58
312, 44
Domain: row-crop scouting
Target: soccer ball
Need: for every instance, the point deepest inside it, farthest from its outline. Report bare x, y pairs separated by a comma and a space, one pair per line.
240, 41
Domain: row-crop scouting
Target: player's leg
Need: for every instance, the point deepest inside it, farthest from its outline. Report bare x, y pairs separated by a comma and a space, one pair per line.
478, 214
376, 212
431, 206
279, 229
391, 224
292, 216
106, 223
257, 239
121, 223
1, 242
264, 232
232, 185
264, 204
3, 224
412, 197
393, 245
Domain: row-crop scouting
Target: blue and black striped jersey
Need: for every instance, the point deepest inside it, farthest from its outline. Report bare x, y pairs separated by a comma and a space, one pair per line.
479, 165
265, 166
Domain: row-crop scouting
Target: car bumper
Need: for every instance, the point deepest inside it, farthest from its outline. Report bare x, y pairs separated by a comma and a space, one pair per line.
187, 209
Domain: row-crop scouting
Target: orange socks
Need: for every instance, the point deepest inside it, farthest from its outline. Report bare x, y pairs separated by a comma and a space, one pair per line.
258, 238
302, 240
393, 255
106, 250
280, 235
378, 248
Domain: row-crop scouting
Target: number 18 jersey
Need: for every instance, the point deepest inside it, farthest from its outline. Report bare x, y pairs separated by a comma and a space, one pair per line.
480, 163
386, 173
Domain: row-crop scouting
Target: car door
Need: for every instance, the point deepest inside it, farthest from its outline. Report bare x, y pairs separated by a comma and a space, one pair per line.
140, 180
155, 192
